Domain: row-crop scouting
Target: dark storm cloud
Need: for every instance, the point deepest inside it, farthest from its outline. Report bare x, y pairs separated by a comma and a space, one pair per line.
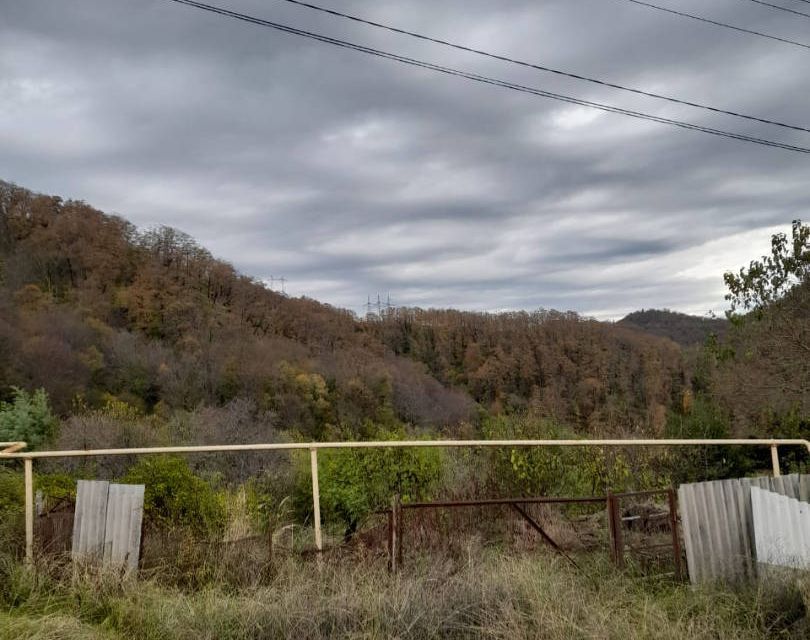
351, 175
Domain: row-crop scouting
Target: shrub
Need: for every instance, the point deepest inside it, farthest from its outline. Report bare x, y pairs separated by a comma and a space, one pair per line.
27, 418
12, 492
175, 495
703, 418
56, 486
12, 499
557, 470
355, 482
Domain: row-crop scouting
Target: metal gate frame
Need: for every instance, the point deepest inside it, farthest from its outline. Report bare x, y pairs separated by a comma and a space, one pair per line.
612, 503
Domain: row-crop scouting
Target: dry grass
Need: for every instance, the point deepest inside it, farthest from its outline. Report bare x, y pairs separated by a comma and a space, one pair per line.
489, 596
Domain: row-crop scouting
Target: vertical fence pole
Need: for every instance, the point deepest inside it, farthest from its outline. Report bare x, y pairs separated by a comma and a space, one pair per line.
396, 531
391, 540
316, 499
775, 461
615, 527
617, 517
400, 536
676, 540
28, 468
611, 526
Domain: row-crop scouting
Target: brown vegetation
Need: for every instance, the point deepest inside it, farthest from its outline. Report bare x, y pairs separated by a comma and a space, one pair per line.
95, 311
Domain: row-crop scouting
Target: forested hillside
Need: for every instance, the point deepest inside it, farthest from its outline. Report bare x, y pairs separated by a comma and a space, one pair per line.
96, 312
103, 315
143, 336
596, 376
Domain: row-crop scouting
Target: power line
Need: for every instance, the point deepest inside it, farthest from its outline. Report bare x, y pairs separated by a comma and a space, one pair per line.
781, 8
543, 68
488, 80
718, 24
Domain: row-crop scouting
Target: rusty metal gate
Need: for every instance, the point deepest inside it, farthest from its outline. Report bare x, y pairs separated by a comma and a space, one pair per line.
622, 542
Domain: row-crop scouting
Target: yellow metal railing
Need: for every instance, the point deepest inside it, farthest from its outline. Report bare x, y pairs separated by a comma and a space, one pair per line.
12, 451
11, 447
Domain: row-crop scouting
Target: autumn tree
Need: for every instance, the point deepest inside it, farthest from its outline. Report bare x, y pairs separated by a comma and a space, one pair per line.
764, 374
768, 280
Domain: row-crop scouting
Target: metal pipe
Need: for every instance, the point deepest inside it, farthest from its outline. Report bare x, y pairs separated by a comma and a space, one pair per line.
775, 461
12, 447
28, 470
28, 457
530, 500
316, 498
501, 501
377, 444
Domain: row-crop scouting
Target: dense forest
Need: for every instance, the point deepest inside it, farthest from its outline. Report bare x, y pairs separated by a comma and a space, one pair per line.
142, 336
96, 312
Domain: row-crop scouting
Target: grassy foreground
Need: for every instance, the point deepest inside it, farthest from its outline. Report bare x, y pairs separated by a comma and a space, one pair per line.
497, 596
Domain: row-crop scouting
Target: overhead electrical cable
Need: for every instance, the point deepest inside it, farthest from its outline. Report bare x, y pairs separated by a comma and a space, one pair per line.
781, 8
567, 74
719, 24
488, 80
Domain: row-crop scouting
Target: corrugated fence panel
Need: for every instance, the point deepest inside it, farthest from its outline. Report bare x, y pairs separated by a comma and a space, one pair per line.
107, 523
718, 524
122, 538
781, 529
90, 519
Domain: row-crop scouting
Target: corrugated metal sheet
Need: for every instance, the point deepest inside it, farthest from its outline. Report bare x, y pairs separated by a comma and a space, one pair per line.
89, 521
781, 529
718, 525
122, 538
107, 523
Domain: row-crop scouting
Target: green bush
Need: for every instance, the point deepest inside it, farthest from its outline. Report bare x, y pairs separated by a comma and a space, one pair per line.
355, 482
564, 471
12, 490
27, 418
176, 496
12, 500
703, 418
56, 486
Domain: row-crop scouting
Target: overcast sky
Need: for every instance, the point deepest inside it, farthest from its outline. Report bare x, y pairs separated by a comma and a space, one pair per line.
351, 175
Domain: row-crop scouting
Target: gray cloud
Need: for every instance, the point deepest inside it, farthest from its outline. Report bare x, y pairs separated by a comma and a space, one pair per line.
351, 175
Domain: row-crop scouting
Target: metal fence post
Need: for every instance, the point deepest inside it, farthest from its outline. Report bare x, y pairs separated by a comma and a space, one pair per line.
396, 533
676, 540
775, 461
390, 540
28, 469
615, 526
316, 498
400, 536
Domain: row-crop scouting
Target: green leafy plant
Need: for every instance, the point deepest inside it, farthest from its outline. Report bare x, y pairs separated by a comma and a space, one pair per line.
704, 419
11, 490
176, 496
27, 418
57, 486
773, 276
542, 471
355, 482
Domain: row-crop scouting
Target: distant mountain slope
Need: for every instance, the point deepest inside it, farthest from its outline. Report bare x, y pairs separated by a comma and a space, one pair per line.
684, 329
595, 375
95, 311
